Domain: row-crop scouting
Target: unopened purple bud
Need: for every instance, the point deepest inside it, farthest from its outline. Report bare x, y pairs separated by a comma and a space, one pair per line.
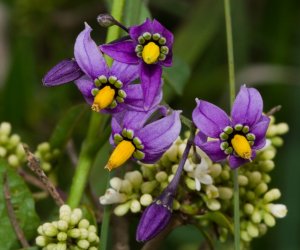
63, 72
155, 218
105, 20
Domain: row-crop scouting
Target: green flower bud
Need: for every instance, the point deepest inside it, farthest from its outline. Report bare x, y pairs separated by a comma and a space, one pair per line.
74, 233
61, 246
49, 230
225, 193
262, 228
46, 166
268, 154
135, 178
174, 168
215, 170
282, 128
277, 141
223, 234
248, 208
176, 204
267, 165
170, 178
266, 178
41, 241
269, 220
256, 217
272, 131
44, 147
211, 191
243, 180
252, 230
83, 233
14, 140
135, 206
190, 209
40, 230
62, 225
190, 183
272, 195
161, 176
261, 188
116, 183
245, 236
250, 195
213, 204
62, 236
84, 223
92, 237
126, 187
5, 128
122, 209
13, 160
65, 209
92, 229
254, 178
3, 152
93, 248
83, 244
146, 200
75, 216
148, 187
51, 246
172, 153
225, 174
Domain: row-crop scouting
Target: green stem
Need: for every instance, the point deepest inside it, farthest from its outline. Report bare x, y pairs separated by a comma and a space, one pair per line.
236, 196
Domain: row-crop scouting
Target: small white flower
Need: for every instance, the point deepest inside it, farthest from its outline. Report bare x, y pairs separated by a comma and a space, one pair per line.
111, 196
201, 174
278, 210
188, 166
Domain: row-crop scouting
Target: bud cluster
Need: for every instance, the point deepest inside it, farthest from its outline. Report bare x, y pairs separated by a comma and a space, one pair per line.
71, 231
46, 155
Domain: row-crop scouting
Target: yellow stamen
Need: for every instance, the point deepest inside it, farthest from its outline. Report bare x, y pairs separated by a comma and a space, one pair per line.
150, 53
103, 98
241, 146
120, 155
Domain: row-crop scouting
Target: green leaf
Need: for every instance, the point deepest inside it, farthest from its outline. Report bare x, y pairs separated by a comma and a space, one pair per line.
24, 209
178, 75
65, 126
136, 12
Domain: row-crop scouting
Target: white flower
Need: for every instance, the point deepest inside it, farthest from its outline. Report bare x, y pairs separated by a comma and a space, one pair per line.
278, 210
111, 196
201, 174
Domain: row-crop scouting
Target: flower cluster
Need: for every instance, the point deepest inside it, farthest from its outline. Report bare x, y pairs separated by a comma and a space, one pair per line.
206, 188
71, 231
46, 155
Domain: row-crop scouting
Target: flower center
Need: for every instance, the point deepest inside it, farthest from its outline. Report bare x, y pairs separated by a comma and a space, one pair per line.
103, 98
241, 146
150, 53
120, 155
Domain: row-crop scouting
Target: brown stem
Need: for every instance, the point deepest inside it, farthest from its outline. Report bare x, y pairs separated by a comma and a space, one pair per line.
34, 165
11, 214
272, 111
32, 179
71, 151
154, 243
120, 232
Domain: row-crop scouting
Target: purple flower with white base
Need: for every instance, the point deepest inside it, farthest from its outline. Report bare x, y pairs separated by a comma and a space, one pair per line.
104, 88
237, 137
150, 47
137, 135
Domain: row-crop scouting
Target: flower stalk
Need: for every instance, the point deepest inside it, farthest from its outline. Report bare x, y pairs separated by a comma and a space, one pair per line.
232, 96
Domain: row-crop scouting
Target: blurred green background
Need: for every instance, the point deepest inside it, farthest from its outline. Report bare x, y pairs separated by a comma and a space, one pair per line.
36, 34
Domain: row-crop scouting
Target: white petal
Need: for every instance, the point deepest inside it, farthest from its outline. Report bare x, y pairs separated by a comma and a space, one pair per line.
197, 184
206, 179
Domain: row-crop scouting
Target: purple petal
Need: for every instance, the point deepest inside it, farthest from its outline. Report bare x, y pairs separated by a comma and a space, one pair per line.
88, 55
212, 149
168, 62
200, 138
260, 130
210, 119
121, 51
235, 162
151, 83
85, 86
138, 30
115, 124
125, 72
158, 28
63, 72
160, 134
153, 156
247, 108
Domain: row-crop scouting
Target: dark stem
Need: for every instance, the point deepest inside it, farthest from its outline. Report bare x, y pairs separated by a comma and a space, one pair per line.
11, 214
34, 165
120, 231
274, 110
32, 179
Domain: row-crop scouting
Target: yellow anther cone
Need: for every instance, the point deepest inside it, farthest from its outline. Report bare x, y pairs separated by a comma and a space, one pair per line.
150, 53
120, 155
241, 146
103, 98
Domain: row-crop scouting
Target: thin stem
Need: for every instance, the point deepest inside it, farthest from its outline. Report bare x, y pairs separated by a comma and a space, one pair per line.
236, 195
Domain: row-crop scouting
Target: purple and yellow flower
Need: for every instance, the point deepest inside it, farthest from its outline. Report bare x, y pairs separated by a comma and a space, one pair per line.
150, 47
104, 88
137, 135
237, 137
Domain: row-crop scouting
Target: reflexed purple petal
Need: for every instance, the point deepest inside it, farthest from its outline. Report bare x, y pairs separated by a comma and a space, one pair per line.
168, 62
85, 86
138, 30
260, 130
88, 55
158, 28
63, 72
151, 83
235, 162
121, 51
200, 138
160, 134
247, 108
213, 150
210, 119
125, 72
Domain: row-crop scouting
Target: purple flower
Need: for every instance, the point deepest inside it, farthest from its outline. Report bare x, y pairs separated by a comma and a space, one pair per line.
237, 137
150, 47
156, 217
137, 135
104, 88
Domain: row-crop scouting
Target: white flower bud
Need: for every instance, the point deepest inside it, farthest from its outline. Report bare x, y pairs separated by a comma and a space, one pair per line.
252, 230
245, 236
272, 131
272, 195
261, 188
267, 165
61, 246
49, 230
215, 170
83, 244
191, 184
83, 233
51, 246
92, 229
65, 209
3, 152
282, 128
225, 193
268, 154
212, 191
13, 161
126, 187
20, 152
62, 236
254, 178
174, 168
225, 174
44, 147
46, 166
84, 223
75, 216
122, 209
115, 183
135, 178
41, 241
74, 233
111, 196
14, 140
243, 180
277, 141
5, 128
92, 237
161, 176
135, 206
170, 178
146, 200
277, 210
269, 220
213, 204
40, 230
172, 153
248, 208
188, 166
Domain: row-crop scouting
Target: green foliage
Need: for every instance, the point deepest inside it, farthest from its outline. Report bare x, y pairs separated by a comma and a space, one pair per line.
24, 209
